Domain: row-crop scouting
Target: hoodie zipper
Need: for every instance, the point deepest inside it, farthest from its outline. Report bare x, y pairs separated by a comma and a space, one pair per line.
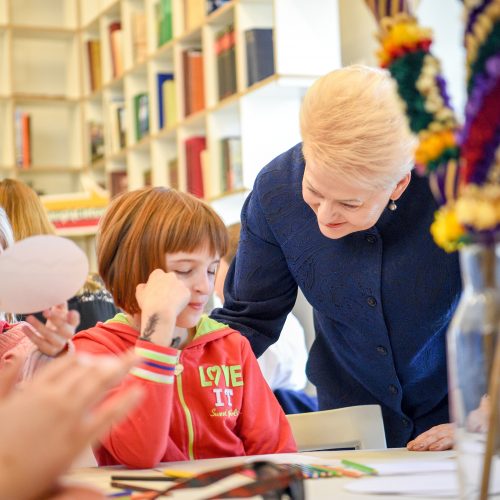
187, 413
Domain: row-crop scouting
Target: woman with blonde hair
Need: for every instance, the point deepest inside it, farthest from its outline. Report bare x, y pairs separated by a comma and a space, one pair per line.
25, 210
342, 217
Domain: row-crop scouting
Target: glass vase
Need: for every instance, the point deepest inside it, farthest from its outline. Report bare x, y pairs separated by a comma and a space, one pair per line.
471, 338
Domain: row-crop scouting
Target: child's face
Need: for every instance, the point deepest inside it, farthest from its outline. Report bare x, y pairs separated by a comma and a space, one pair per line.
197, 270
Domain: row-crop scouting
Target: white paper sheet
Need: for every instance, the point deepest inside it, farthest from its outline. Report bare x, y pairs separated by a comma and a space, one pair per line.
439, 483
383, 469
39, 272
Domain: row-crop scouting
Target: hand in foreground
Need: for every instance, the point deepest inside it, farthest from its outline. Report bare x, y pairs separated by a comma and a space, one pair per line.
161, 300
51, 338
437, 438
48, 424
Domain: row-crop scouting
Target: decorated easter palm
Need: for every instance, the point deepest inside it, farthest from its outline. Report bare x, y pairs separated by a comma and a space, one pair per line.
462, 163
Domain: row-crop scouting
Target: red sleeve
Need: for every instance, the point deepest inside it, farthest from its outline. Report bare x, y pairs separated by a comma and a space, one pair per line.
262, 424
140, 440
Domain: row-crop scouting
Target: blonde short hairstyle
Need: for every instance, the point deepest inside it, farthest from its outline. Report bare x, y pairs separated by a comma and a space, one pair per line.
26, 212
141, 226
353, 122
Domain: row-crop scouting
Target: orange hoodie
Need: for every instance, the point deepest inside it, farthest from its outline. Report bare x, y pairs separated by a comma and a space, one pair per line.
216, 404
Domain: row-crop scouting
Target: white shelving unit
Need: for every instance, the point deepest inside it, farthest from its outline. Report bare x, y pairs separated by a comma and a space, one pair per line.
45, 72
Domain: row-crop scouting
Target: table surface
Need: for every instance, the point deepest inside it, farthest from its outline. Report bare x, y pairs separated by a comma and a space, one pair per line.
315, 488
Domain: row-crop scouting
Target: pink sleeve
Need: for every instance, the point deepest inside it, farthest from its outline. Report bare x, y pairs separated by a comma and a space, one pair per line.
22, 348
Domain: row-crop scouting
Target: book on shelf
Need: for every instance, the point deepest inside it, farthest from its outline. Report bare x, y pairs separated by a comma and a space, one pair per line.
226, 61
94, 64
194, 174
213, 5
118, 182
116, 47
96, 137
194, 97
211, 181
147, 177
117, 139
231, 164
141, 115
173, 173
77, 211
163, 10
23, 139
260, 54
194, 13
139, 37
169, 103
161, 79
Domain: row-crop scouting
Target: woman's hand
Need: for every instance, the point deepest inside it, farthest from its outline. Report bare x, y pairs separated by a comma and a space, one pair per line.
438, 438
51, 338
161, 300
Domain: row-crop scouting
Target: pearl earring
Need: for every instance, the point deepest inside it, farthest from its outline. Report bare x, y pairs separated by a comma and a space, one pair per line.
392, 206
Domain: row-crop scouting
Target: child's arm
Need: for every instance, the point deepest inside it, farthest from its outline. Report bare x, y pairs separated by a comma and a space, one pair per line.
161, 300
262, 425
141, 440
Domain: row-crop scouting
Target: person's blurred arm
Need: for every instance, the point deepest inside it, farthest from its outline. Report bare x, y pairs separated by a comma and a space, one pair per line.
259, 290
54, 417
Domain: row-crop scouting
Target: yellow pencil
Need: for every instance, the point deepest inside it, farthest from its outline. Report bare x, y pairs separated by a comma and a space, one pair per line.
178, 474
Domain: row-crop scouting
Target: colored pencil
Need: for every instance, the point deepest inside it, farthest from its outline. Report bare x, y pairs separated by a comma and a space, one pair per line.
360, 467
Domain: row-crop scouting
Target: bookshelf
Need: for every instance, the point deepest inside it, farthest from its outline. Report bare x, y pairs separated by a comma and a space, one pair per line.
263, 115
104, 86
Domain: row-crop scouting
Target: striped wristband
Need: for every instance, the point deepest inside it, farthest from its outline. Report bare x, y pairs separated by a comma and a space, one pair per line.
157, 363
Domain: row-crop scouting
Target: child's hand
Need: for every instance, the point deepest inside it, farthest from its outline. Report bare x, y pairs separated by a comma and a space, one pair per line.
438, 438
161, 300
51, 338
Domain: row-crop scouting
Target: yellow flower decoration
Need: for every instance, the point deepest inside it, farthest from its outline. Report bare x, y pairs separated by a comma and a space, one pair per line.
446, 229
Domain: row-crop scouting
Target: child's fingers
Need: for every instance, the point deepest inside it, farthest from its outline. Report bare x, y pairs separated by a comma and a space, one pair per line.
55, 327
34, 322
73, 318
51, 345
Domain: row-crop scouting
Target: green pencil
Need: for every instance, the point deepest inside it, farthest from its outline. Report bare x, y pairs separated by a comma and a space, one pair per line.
360, 467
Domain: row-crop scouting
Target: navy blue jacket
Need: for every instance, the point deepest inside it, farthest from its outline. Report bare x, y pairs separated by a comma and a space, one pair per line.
382, 298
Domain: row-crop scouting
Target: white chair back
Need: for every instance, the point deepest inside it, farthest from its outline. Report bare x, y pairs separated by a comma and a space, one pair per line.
358, 427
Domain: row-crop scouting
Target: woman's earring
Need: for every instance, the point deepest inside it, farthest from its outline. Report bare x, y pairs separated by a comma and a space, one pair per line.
392, 206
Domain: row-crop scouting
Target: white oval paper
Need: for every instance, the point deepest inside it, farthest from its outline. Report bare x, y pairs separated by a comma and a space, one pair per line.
39, 272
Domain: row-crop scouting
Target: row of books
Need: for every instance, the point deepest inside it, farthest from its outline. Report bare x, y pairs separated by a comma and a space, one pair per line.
193, 76
139, 37
201, 179
164, 23
23, 139
224, 47
259, 58
167, 102
259, 54
117, 131
94, 64
196, 10
116, 48
206, 180
96, 139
